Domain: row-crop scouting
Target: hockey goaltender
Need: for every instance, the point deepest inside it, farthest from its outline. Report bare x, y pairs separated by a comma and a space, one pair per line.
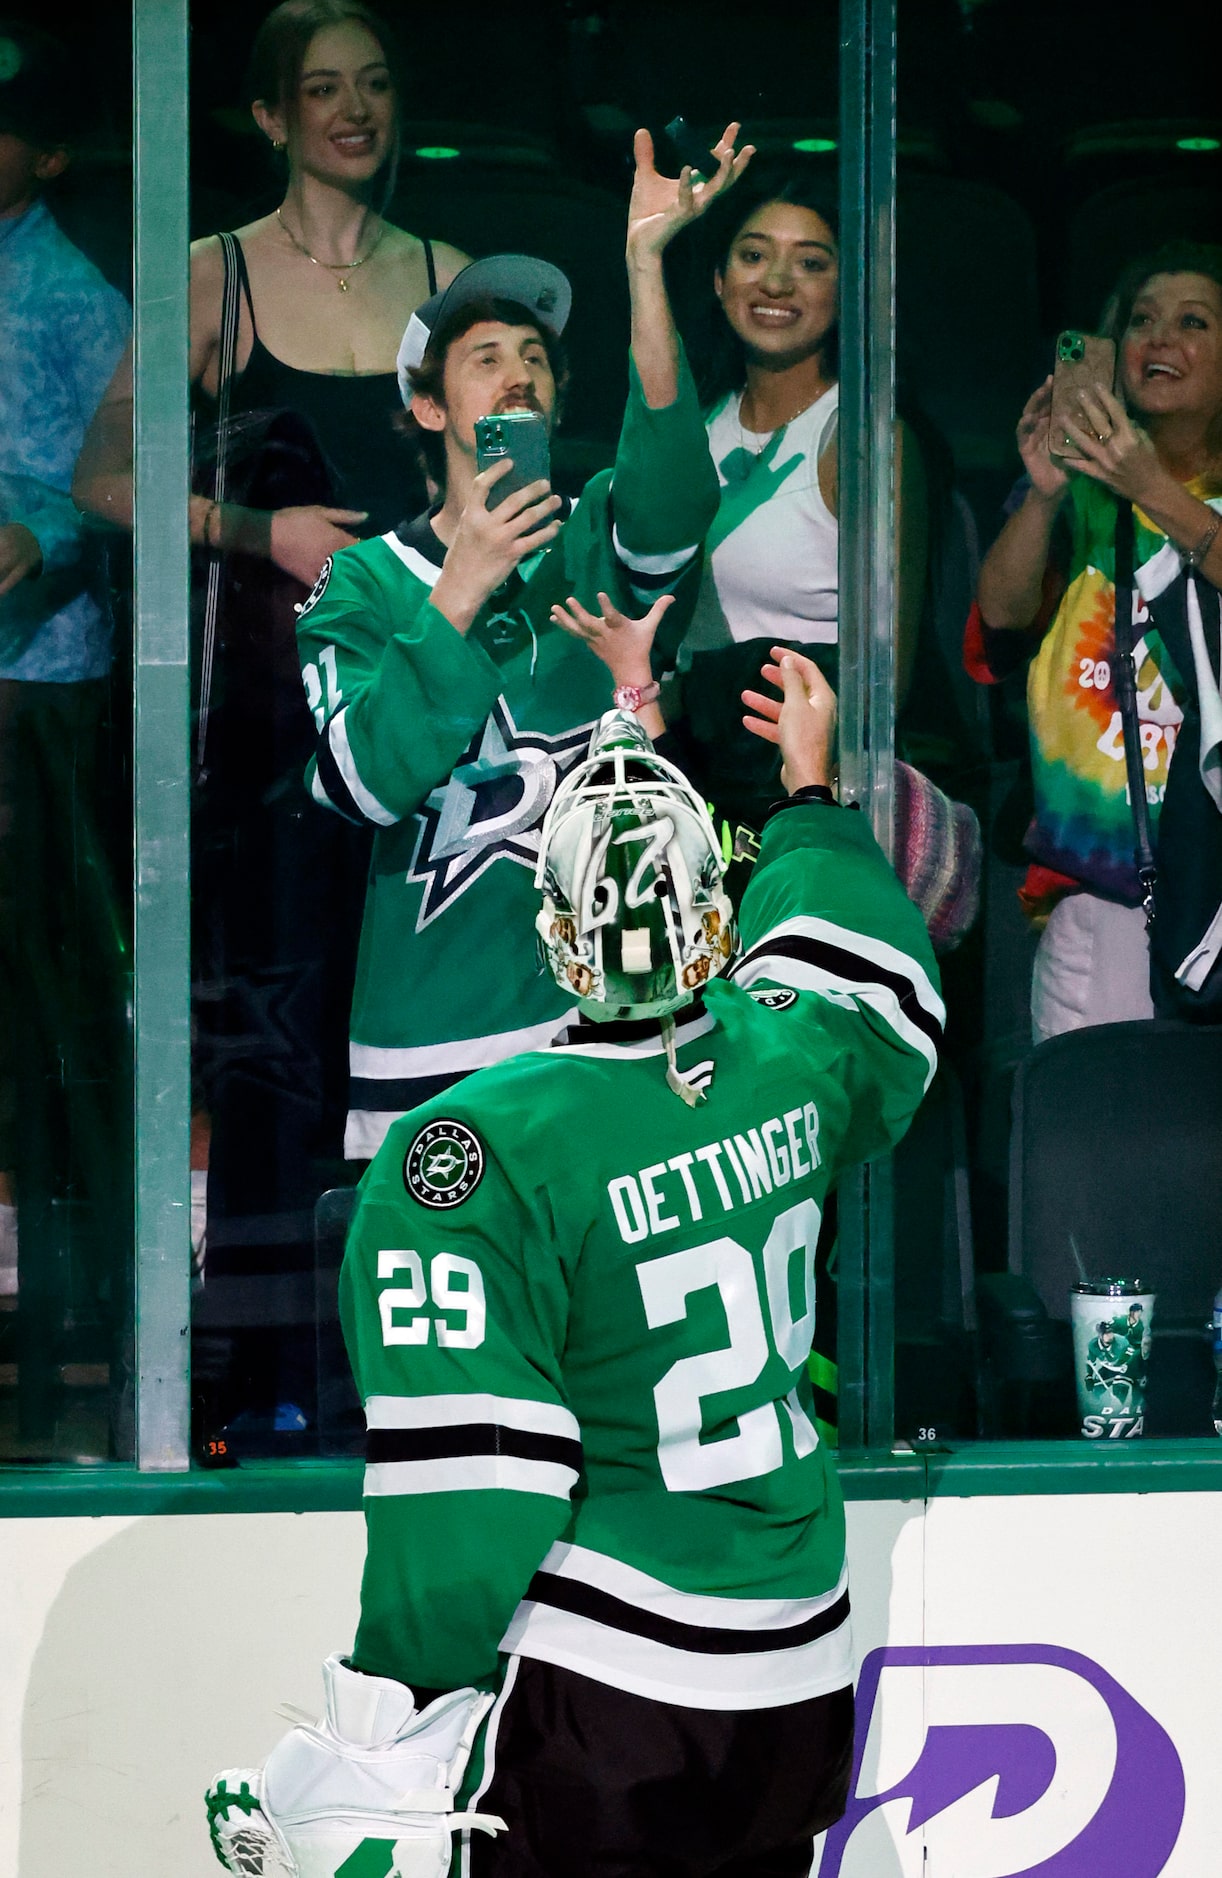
604, 1620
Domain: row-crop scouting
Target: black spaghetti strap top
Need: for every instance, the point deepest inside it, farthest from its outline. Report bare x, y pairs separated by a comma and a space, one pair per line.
371, 466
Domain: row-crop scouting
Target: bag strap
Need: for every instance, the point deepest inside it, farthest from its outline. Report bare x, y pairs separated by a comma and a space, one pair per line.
226, 372
1125, 674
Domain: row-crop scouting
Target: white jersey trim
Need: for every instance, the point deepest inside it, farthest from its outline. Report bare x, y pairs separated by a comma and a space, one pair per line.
456, 1411
345, 762
760, 1679
804, 975
412, 560
370, 1061
656, 564
492, 1729
366, 1130
622, 1581
474, 1473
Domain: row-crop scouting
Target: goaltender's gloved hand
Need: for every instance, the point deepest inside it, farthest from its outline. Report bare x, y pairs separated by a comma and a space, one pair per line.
373, 1768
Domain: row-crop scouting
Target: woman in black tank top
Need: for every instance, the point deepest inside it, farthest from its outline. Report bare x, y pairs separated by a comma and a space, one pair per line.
324, 288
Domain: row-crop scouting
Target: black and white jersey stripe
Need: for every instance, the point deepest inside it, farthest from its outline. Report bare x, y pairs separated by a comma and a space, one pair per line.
652, 574
599, 1617
337, 783
470, 1443
836, 963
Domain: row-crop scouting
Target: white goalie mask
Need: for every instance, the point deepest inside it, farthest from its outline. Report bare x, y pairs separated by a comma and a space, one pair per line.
635, 918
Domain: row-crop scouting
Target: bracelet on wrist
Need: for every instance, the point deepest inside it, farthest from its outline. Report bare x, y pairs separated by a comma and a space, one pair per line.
1194, 556
632, 697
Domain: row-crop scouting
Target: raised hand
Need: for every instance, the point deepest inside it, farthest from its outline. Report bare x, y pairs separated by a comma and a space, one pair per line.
1113, 450
1048, 478
662, 205
621, 643
802, 721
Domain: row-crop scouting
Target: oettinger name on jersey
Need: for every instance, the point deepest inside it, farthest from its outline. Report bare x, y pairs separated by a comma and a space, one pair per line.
490, 808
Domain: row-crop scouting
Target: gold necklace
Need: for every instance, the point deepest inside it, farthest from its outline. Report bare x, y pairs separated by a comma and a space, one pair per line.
778, 428
343, 268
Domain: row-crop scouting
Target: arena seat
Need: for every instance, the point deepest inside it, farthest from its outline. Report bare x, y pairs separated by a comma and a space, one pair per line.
934, 1321
341, 1421
1116, 1150
1126, 219
968, 327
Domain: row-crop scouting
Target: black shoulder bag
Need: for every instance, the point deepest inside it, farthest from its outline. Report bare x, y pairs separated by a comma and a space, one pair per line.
1181, 875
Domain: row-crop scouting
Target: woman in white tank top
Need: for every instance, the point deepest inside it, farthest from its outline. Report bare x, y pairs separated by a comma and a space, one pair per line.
770, 567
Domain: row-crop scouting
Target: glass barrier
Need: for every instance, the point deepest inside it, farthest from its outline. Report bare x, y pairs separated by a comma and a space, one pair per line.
67, 1336
361, 180
1022, 198
357, 934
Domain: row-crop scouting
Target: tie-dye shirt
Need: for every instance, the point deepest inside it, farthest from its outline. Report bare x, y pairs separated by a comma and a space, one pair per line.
1083, 833
1084, 822
62, 331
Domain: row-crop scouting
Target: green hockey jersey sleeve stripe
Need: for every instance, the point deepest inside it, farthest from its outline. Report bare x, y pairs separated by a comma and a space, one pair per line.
339, 777
810, 954
673, 562
453, 1411
456, 1443
447, 1472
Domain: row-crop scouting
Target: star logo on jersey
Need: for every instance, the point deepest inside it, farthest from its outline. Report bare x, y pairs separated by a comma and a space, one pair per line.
779, 1000
490, 809
444, 1164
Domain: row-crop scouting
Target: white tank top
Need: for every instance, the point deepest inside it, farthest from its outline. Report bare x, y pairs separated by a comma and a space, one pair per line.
770, 558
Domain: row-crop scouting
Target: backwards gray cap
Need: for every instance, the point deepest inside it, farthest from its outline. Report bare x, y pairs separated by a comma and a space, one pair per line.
535, 285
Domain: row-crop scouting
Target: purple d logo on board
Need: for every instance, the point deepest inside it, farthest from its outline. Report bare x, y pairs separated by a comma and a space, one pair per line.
1057, 1771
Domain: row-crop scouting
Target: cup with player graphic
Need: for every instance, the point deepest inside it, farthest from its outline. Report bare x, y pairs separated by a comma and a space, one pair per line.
1112, 1319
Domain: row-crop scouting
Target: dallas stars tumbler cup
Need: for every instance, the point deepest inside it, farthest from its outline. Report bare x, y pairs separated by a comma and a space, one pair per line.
1111, 1320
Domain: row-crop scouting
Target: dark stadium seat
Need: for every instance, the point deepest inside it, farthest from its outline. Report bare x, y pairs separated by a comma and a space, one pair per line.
1126, 219
968, 322
1116, 1149
934, 1324
341, 1423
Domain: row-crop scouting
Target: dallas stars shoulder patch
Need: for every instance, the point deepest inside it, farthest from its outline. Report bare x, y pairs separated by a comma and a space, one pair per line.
444, 1164
317, 590
778, 999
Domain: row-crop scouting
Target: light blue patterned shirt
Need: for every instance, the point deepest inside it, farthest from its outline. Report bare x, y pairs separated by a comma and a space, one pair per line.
62, 331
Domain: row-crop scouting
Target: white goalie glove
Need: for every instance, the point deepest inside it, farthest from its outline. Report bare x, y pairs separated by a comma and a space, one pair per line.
373, 1771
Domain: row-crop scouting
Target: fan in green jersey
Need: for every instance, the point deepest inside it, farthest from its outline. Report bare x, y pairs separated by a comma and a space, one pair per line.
604, 1615
453, 684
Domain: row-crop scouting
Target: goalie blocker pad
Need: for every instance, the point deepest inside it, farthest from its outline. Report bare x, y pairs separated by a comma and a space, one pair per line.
372, 1769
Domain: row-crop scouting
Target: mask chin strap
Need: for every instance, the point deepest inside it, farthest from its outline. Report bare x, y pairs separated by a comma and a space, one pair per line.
686, 1091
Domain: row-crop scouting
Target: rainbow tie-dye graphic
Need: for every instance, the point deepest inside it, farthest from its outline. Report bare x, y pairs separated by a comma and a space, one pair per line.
1083, 823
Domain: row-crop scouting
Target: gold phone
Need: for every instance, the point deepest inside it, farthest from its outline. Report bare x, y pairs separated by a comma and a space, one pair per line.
1084, 362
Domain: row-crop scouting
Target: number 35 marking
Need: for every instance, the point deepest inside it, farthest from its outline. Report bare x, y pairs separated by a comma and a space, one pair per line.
688, 1464
444, 1269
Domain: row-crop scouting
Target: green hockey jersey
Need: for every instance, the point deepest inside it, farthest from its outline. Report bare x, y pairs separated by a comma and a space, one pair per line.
579, 1314
452, 746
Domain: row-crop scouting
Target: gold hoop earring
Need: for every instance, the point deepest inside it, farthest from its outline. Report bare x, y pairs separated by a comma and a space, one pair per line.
278, 143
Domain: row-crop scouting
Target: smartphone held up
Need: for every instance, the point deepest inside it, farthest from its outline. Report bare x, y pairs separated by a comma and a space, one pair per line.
522, 437
1083, 362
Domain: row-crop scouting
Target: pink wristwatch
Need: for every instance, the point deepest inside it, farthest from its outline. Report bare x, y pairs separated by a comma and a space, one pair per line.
632, 697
